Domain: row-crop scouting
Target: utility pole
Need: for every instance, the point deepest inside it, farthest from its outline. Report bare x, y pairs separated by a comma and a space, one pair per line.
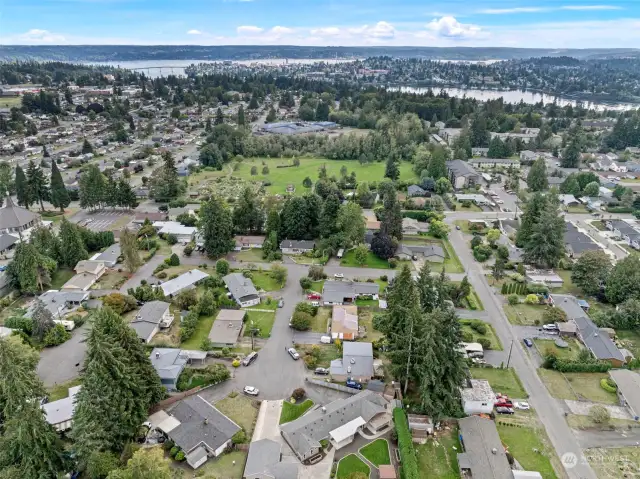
509, 358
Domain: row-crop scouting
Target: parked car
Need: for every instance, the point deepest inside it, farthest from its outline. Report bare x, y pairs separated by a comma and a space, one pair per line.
353, 384
500, 403
458, 227
315, 303
549, 327
528, 342
500, 202
314, 296
338, 275
281, 303
251, 391
293, 353
325, 339
524, 406
321, 371
504, 410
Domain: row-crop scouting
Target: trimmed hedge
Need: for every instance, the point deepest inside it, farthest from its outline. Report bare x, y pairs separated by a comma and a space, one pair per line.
567, 366
408, 458
514, 288
604, 384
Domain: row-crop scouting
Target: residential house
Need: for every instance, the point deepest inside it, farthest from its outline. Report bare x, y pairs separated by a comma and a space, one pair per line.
627, 232
17, 220
60, 413
296, 246
449, 134
432, 253
598, 342
439, 125
479, 151
477, 397
412, 226
185, 234
415, 190
604, 192
494, 163
7, 242
462, 174
477, 199
264, 461
528, 156
356, 363
526, 135
190, 209
109, 256
242, 289
199, 429
484, 456
346, 292
227, 328
60, 303
80, 282
186, 280
628, 390
248, 242
568, 200
96, 268
567, 329
555, 181
338, 422
152, 317
344, 322
576, 242
169, 364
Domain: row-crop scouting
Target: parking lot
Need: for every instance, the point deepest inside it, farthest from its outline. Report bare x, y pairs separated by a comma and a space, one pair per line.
103, 220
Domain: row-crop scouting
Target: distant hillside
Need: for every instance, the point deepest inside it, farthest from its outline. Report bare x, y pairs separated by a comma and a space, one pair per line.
103, 53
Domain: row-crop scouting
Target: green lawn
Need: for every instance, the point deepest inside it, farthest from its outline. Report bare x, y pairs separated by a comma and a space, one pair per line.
562, 353
349, 259
291, 412
281, 177
11, 101
60, 277
240, 410
320, 320
630, 340
440, 457
365, 318
253, 255
577, 386
61, 391
568, 287
202, 331
317, 286
261, 320
377, 452
327, 353
263, 280
524, 314
522, 443
504, 381
367, 303
490, 334
472, 207
229, 465
599, 225
350, 464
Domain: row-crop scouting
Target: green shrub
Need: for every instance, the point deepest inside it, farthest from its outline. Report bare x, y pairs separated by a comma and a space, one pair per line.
172, 239
467, 337
56, 336
180, 456
532, 299
306, 308
485, 343
605, 384
513, 299
161, 275
405, 445
168, 445
174, 450
479, 327
174, 260
567, 366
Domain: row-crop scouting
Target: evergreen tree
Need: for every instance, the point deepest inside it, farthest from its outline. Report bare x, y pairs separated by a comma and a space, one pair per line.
253, 103
46, 242
59, 194
72, 248
45, 152
38, 184
92, 187
42, 320
272, 224
391, 223
531, 215
30, 271
207, 126
545, 246
110, 192
241, 120
571, 155
329, 216
126, 195
437, 167
429, 297
23, 192
271, 116
391, 169
145, 464
537, 177
219, 119
165, 182
86, 147
570, 186
248, 216
216, 226
129, 248
295, 219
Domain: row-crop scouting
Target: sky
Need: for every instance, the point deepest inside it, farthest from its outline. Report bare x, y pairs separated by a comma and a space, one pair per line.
479, 23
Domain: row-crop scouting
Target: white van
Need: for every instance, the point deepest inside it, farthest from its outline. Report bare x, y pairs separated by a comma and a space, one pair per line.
325, 339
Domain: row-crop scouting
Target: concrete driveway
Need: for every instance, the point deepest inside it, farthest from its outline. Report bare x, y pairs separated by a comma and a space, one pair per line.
63, 363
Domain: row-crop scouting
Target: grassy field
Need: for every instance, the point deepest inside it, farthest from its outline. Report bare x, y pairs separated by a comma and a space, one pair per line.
61, 391
377, 452
328, 352
261, 320
317, 286
11, 101
350, 464
504, 381
291, 412
349, 259
577, 386
524, 314
112, 280
228, 466
252, 255
585, 422
365, 318
281, 177
614, 463
562, 353
472, 207
630, 339
320, 320
263, 280
202, 331
568, 287
61, 276
522, 443
239, 409
438, 456
490, 334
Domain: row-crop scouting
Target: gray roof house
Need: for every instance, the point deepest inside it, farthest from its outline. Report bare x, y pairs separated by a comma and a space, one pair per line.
109, 256
415, 190
15, 219
341, 292
484, 456
432, 253
184, 281
60, 303
338, 422
462, 174
60, 413
202, 430
265, 461
7, 241
577, 242
242, 289
628, 389
356, 362
296, 246
227, 327
151, 317
598, 342
169, 364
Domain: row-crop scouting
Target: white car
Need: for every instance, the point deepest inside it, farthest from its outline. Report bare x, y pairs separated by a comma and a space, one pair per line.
251, 391
523, 406
549, 327
500, 202
338, 275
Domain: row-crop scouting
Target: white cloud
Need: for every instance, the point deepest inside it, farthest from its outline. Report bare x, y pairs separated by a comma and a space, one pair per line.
249, 30
325, 31
501, 11
449, 27
39, 37
381, 30
506, 11
194, 32
278, 30
591, 7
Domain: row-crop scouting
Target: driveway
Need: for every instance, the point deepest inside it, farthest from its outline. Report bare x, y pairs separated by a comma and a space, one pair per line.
63, 363
307, 337
582, 408
618, 438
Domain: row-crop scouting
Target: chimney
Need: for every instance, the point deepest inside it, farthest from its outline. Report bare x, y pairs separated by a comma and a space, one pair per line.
157, 355
323, 409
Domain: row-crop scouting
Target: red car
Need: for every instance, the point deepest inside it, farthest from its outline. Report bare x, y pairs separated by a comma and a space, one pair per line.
314, 296
504, 404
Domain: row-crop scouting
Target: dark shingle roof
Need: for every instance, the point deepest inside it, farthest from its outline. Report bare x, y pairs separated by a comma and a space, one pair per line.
13, 216
484, 453
239, 286
599, 342
577, 241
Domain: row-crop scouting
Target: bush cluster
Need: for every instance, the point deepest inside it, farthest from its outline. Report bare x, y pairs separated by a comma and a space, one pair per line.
405, 445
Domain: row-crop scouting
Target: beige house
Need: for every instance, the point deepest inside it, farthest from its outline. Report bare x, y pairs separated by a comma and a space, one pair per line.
80, 282
344, 322
97, 268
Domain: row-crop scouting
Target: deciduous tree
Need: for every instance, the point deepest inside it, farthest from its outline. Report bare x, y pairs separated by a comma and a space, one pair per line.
591, 271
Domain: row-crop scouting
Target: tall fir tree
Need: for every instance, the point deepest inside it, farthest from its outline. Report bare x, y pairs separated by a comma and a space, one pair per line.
59, 194
30, 271
165, 184
248, 215
329, 216
216, 226
391, 169
241, 120
92, 186
72, 248
219, 119
23, 192
129, 248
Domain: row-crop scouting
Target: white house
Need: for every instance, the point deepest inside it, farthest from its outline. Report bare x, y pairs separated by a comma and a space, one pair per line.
242, 290
477, 397
184, 281
185, 234
97, 268
60, 413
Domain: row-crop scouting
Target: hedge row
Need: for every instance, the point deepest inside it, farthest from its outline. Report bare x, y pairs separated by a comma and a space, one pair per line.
604, 384
405, 445
514, 288
567, 366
